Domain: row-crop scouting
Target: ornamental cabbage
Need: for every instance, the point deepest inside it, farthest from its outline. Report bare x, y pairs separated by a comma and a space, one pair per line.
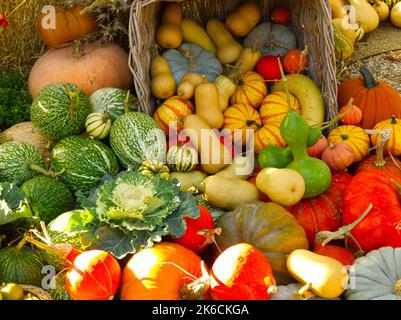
13, 204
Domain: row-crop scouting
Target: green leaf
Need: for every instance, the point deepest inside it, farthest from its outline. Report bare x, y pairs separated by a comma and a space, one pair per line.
77, 227
188, 208
13, 204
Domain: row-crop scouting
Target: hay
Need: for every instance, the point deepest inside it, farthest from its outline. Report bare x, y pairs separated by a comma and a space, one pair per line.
20, 44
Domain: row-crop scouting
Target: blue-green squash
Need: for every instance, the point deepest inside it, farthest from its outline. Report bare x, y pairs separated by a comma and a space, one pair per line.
83, 162
192, 58
271, 39
19, 162
136, 137
182, 159
59, 110
21, 265
48, 197
113, 101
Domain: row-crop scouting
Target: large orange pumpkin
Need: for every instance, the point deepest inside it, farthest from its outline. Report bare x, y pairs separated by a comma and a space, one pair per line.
251, 90
241, 272
88, 66
94, 275
69, 25
394, 142
354, 136
269, 135
274, 107
166, 271
241, 117
172, 110
378, 100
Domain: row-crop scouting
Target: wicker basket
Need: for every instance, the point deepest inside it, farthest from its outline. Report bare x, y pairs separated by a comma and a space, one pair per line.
38, 292
311, 24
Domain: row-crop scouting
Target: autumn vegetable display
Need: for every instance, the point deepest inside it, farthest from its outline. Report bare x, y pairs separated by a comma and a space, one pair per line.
236, 182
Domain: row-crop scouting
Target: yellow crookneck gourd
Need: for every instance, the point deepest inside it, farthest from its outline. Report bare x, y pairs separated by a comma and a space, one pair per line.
192, 32
226, 88
188, 84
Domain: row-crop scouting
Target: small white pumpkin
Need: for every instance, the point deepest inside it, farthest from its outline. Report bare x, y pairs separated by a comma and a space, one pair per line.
98, 125
376, 276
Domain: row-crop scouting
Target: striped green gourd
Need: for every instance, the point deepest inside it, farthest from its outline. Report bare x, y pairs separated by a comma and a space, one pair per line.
98, 125
21, 265
136, 137
19, 162
83, 161
113, 101
182, 159
60, 110
48, 197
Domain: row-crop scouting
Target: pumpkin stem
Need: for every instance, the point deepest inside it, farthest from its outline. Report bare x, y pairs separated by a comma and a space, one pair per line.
324, 237
77, 50
379, 157
189, 56
351, 101
253, 123
195, 290
62, 251
370, 82
393, 120
397, 287
344, 136
304, 293
21, 243
209, 235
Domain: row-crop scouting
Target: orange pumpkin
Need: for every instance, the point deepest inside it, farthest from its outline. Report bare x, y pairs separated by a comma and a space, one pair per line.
94, 275
241, 117
351, 114
394, 143
88, 66
274, 107
378, 100
166, 271
173, 109
268, 135
317, 149
338, 156
390, 165
70, 25
251, 90
354, 136
241, 272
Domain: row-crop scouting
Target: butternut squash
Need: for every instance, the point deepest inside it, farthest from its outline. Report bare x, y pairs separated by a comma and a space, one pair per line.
228, 193
192, 32
188, 180
187, 86
163, 85
207, 104
241, 168
338, 9
226, 88
324, 276
169, 34
213, 155
228, 50
246, 62
244, 19
365, 15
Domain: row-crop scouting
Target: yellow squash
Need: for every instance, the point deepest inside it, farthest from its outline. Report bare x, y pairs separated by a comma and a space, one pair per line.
246, 62
192, 32
162, 85
169, 34
207, 104
365, 15
226, 89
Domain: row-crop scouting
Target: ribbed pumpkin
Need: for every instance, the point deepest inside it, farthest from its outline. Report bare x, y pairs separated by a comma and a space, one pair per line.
378, 100
267, 226
251, 90
182, 159
394, 143
354, 136
268, 135
390, 165
162, 273
241, 117
275, 107
70, 25
323, 212
94, 275
172, 110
